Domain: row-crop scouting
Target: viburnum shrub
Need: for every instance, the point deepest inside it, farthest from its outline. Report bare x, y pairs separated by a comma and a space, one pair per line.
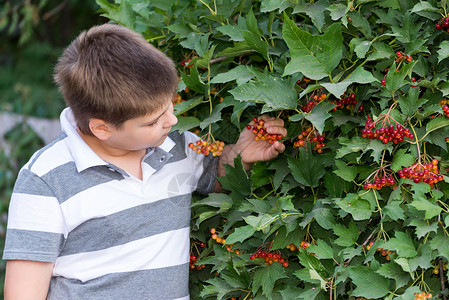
366, 216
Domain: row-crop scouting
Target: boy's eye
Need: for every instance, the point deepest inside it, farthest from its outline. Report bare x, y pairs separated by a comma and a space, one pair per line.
154, 123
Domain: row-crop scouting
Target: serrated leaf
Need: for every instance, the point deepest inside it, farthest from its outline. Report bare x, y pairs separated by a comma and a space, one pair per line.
444, 88
378, 147
185, 106
277, 93
266, 277
360, 75
411, 102
356, 144
424, 6
319, 114
194, 81
306, 169
186, 123
394, 210
369, 284
431, 209
322, 250
236, 179
402, 244
314, 10
217, 287
437, 123
314, 56
395, 79
344, 171
441, 244
240, 73
401, 160
122, 13
240, 234
359, 208
337, 89
347, 236
423, 228
395, 272
443, 53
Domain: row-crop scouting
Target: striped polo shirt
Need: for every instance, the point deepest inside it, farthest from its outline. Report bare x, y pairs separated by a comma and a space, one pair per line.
110, 235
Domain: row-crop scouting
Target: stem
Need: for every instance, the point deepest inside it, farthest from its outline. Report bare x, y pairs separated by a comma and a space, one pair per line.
440, 262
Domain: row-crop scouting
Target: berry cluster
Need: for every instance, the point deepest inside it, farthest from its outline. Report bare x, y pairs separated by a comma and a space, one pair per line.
386, 253
310, 135
313, 100
303, 82
186, 63
444, 105
177, 98
261, 133
347, 102
386, 134
194, 258
379, 182
443, 24
215, 236
270, 257
206, 147
436, 269
423, 296
418, 172
400, 56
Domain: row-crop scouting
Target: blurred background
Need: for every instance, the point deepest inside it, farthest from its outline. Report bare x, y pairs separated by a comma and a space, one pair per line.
33, 33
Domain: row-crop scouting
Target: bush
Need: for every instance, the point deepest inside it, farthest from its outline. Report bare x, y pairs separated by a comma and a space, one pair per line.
357, 205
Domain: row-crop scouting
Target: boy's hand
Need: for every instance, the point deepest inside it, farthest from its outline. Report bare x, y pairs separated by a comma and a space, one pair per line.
252, 151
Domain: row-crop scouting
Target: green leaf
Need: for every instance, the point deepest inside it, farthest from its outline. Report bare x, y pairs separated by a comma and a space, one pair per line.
270, 5
443, 53
381, 51
122, 13
234, 31
185, 106
411, 102
402, 243
240, 48
402, 159
322, 250
347, 235
444, 88
410, 293
319, 114
314, 56
394, 210
217, 287
306, 169
276, 93
423, 228
356, 144
395, 272
196, 41
186, 123
346, 172
369, 283
256, 43
395, 79
266, 278
423, 204
240, 73
314, 10
424, 6
437, 123
359, 208
360, 75
194, 81
378, 148
261, 222
240, 234
441, 244
337, 89
236, 179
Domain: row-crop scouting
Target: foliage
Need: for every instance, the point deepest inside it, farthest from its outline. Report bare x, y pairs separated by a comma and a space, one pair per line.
341, 237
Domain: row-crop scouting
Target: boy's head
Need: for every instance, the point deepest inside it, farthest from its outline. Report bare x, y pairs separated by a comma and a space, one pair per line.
112, 73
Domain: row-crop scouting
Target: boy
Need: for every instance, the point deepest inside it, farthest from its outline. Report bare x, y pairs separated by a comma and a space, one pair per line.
103, 212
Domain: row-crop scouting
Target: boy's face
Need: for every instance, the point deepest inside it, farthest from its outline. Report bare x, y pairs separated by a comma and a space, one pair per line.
144, 132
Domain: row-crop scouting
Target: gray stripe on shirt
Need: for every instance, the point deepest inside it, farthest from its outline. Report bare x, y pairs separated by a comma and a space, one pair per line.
46, 245
117, 229
137, 285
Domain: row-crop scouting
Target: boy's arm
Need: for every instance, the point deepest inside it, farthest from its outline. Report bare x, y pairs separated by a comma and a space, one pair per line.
251, 150
26, 280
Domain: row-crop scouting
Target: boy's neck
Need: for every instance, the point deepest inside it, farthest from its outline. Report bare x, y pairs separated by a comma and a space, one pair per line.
130, 161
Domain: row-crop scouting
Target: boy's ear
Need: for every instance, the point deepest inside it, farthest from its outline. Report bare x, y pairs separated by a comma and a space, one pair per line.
100, 129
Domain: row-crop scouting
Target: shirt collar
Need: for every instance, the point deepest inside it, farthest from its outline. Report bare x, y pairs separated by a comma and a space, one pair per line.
83, 156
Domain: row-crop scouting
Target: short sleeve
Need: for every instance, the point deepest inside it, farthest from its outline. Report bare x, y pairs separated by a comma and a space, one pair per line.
209, 164
36, 229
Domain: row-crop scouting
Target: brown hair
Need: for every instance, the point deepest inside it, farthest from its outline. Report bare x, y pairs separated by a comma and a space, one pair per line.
112, 73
